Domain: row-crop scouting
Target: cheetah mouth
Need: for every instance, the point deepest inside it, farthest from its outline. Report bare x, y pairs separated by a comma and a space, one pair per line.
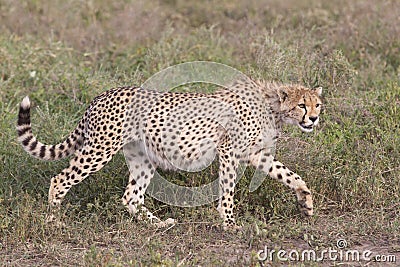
306, 128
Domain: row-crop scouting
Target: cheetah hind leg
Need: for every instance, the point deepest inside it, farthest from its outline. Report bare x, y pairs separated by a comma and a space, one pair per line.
141, 171
81, 166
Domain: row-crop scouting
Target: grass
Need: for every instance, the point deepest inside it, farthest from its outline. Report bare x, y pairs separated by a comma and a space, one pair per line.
63, 55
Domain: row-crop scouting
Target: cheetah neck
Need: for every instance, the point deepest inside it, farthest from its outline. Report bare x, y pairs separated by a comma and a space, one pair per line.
269, 90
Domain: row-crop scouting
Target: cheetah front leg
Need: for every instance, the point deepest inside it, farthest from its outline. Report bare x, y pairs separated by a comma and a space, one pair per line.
268, 164
141, 170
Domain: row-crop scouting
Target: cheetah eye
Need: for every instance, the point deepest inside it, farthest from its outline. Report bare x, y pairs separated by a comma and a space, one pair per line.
302, 106
317, 105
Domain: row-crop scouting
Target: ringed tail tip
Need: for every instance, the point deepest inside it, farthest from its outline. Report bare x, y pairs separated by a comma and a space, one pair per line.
24, 112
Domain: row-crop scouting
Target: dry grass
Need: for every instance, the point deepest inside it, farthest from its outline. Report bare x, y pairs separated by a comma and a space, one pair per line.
63, 53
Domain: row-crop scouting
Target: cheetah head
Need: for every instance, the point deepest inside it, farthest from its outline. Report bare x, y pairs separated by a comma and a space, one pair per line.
300, 106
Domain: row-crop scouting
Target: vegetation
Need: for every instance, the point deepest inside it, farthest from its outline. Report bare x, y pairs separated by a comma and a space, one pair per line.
64, 53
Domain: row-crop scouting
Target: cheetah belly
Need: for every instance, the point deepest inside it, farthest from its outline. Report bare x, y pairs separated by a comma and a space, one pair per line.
177, 158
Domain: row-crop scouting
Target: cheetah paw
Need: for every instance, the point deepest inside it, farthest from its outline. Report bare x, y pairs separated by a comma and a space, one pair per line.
54, 221
305, 201
165, 223
232, 227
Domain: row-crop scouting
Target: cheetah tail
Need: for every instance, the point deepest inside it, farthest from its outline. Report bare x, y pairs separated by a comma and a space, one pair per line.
38, 149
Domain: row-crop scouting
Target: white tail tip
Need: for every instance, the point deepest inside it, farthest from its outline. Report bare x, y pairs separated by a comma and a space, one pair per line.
25, 104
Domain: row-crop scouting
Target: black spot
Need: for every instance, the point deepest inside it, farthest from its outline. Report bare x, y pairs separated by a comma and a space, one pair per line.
279, 176
27, 140
23, 131
42, 151
52, 152
33, 145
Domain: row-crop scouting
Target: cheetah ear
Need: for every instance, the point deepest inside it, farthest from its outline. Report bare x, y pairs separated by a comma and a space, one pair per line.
318, 90
283, 94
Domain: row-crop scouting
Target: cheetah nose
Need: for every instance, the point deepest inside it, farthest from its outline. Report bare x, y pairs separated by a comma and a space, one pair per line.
313, 119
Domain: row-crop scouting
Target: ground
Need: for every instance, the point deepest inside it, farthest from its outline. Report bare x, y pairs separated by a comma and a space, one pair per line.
62, 54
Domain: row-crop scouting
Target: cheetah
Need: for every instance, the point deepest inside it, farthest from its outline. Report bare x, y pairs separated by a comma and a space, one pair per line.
168, 130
